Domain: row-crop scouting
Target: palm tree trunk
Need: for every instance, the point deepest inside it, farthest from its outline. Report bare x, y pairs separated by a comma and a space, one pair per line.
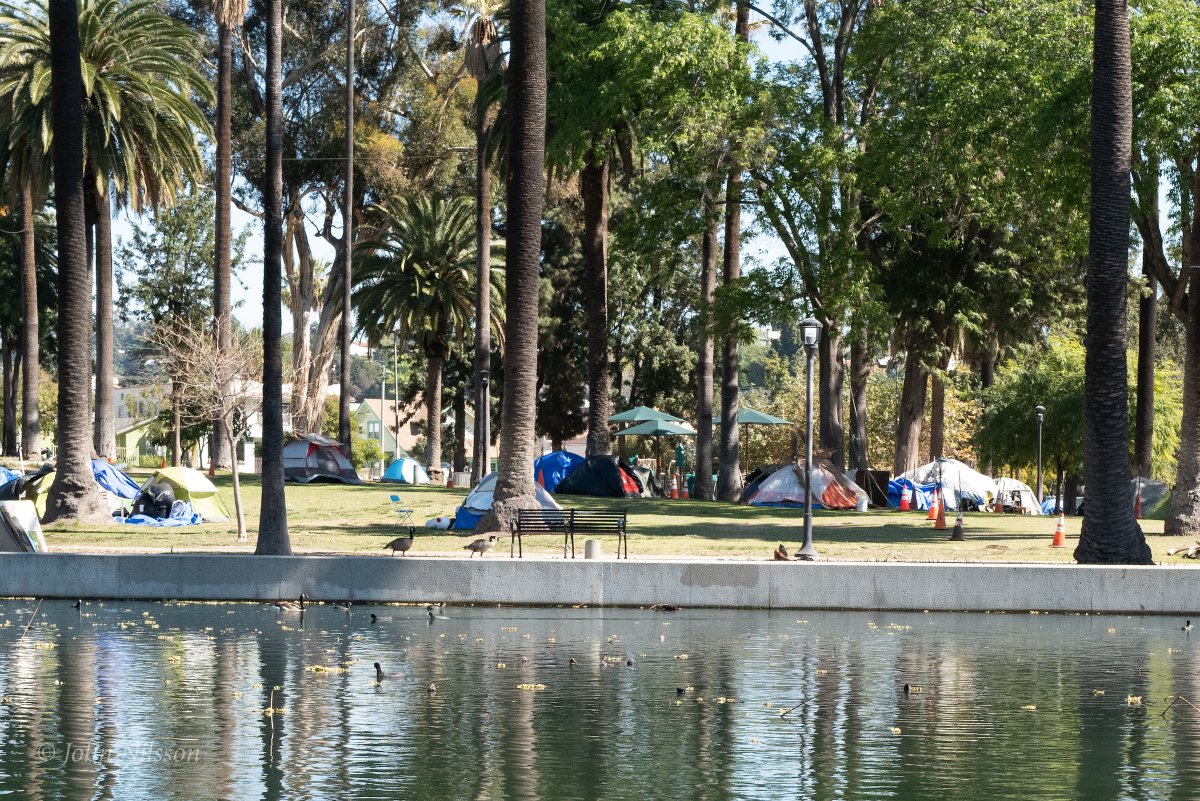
460, 429
593, 188
831, 370
526, 188
860, 372
30, 424
704, 358
483, 290
345, 426
1110, 533
272, 522
912, 410
729, 472
435, 360
105, 434
11, 368
73, 494
220, 453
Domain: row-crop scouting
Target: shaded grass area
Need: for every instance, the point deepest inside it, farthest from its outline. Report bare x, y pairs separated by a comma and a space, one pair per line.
334, 518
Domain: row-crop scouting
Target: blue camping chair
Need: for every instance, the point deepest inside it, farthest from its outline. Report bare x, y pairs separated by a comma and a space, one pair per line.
403, 515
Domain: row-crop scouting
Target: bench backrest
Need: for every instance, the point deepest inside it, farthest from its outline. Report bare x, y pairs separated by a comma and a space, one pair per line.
532, 520
598, 519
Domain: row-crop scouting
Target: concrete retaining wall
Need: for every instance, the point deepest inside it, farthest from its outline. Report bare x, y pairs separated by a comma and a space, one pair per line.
822, 585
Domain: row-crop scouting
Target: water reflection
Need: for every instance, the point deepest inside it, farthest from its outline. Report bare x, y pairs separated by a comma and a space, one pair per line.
161, 701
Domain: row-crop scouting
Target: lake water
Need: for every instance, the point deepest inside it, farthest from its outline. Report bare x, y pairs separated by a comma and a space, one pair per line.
166, 701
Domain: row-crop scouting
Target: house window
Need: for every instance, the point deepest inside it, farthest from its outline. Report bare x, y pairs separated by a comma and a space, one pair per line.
372, 428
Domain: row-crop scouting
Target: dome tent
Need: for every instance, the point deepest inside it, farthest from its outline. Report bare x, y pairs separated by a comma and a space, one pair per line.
479, 502
192, 486
405, 471
603, 476
553, 467
313, 457
831, 488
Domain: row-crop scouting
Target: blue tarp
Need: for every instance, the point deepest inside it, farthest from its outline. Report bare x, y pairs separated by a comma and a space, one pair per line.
922, 494
115, 481
7, 475
181, 515
552, 468
465, 519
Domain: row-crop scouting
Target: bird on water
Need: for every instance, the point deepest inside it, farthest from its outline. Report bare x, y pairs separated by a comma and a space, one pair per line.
291, 606
1187, 626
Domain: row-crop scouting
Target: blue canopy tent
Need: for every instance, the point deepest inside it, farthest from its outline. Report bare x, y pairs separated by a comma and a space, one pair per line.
553, 467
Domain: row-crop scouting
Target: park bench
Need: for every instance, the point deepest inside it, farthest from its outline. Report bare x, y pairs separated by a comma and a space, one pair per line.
568, 522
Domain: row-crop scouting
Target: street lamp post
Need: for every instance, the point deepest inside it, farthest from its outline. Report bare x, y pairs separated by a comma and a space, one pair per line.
811, 330
1041, 413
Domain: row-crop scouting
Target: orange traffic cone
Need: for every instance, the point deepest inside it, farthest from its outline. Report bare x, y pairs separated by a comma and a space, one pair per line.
683, 493
905, 499
958, 535
933, 506
164, 462
940, 523
1060, 532
674, 488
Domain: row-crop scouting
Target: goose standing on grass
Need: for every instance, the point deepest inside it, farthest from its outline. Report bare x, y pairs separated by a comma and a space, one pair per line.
480, 545
291, 606
402, 544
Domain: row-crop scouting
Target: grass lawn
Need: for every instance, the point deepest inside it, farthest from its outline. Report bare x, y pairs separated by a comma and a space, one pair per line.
333, 518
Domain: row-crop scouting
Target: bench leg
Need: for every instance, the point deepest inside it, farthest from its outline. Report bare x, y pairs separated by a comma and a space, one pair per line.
572, 544
512, 544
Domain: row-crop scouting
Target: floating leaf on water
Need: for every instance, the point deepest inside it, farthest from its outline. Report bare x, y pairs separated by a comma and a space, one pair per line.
1097, 692
509, 628
822, 672
895, 730
531, 686
1133, 700
551, 639
1112, 630
44, 646
724, 700
679, 703
681, 656
1030, 707
500, 666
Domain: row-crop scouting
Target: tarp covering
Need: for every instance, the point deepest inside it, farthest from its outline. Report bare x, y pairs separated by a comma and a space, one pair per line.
32, 487
604, 476
114, 480
405, 471
479, 502
831, 488
651, 488
959, 482
20, 531
7, 475
553, 467
1012, 492
313, 457
182, 514
921, 496
192, 486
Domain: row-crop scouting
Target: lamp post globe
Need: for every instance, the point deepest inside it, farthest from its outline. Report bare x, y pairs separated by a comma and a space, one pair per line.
811, 331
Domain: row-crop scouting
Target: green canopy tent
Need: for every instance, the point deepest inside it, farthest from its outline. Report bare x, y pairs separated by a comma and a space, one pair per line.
753, 417
639, 414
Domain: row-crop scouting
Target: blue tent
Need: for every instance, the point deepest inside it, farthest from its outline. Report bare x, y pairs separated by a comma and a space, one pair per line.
114, 480
553, 467
7, 475
405, 471
922, 494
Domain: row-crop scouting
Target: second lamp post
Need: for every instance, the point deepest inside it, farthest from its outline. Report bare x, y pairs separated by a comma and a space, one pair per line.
811, 330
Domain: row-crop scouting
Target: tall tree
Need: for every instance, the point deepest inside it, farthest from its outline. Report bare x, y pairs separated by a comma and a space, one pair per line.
1110, 533
526, 186
729, 472
229, 15
345, 429
272, 521
73, 494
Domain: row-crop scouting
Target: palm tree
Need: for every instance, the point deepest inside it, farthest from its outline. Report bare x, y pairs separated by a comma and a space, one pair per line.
229, 15
73, 494
272, 521
526, 188
483, 61
414, 273
344, 424
1110, 532
140, 122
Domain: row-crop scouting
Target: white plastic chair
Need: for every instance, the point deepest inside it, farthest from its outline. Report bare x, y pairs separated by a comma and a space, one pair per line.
403, 515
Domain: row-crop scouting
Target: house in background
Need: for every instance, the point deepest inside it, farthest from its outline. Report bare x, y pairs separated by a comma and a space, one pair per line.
373, 415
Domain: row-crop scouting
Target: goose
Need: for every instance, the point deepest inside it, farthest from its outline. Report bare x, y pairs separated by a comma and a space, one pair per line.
291, 606
379, 674
79, 602
480, 545
402, 544
379, 618
432, 688
432, 616
1188, 626
343, 606
572, 662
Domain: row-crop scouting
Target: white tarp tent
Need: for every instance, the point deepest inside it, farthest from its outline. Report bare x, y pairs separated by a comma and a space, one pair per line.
959, 482
1016, 493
